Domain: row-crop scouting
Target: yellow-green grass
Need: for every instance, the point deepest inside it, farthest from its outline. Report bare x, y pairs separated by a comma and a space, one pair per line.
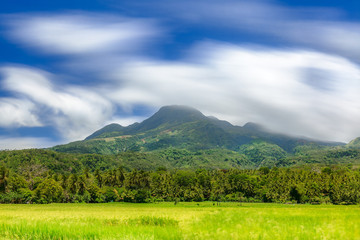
182, 221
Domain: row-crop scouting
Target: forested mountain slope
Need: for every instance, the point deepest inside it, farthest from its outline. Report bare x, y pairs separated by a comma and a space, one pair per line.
184, 128
178, 137
354, 143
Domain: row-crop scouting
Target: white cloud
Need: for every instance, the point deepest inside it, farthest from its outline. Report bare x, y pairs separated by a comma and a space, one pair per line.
18, 113
319, 28
299, 92
271, 87
73, 110
338, 37
81, 33
293, 91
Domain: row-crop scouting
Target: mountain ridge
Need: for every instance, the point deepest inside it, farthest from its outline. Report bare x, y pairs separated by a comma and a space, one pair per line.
182, 127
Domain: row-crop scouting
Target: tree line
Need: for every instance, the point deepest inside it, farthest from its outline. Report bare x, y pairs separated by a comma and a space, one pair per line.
335, 185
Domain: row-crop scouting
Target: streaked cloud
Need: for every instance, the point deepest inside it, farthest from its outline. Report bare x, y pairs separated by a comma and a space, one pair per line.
319, 28
18, 113
73, 110
241, 84
81, 33
311, 88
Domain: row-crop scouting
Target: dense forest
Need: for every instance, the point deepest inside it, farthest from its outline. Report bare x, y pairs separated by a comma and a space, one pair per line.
249, 157
257, 172
336, 185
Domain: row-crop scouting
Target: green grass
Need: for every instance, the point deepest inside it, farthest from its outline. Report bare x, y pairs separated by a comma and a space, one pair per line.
182, 221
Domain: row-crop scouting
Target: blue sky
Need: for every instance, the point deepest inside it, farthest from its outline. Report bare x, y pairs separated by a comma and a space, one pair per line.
68, 68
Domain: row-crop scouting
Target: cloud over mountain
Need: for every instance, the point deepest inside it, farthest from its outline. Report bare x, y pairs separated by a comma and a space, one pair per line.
298, 73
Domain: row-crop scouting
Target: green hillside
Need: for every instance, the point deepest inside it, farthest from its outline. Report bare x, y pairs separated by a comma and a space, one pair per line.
184, 128
39, 160
178, 137
354, 143
182, 137
250, 156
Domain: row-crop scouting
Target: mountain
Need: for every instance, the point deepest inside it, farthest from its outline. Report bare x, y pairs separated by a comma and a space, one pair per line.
179, 137
114, 127
169, 116
184, 127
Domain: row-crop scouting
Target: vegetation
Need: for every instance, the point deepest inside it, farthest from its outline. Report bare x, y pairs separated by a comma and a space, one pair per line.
354, 143
185, 128
171, 160
249, 156
176, 157
204, 220
178, 137
336, 185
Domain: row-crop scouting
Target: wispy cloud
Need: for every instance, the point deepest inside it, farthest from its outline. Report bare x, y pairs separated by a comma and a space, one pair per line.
81, 33
292, 90
278, 88
18, 113
319, 28
71, 109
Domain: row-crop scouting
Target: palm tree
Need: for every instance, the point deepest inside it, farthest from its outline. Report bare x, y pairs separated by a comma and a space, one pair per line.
98, 177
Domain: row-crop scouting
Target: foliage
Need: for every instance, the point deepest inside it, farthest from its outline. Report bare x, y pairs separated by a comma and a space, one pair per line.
336, 184
186, 128
263, 154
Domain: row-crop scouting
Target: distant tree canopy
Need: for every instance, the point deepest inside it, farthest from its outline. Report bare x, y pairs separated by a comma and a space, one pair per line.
336, 185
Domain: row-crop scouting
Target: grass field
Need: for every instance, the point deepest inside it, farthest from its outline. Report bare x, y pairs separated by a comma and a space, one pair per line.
182, 221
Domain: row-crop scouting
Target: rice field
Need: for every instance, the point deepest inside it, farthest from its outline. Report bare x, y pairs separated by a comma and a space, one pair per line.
204, 220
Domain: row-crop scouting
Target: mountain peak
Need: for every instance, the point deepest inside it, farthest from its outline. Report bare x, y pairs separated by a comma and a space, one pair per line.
180, 109
253, 126
184, 127
173, 114
179, 113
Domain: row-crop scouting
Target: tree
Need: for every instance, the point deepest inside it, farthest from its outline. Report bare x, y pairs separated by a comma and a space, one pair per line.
98, 177
48, 191
4, 179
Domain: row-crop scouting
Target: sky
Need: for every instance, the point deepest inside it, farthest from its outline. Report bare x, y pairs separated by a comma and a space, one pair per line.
68, 68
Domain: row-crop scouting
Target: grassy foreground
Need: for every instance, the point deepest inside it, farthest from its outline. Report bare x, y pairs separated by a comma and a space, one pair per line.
182, 221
